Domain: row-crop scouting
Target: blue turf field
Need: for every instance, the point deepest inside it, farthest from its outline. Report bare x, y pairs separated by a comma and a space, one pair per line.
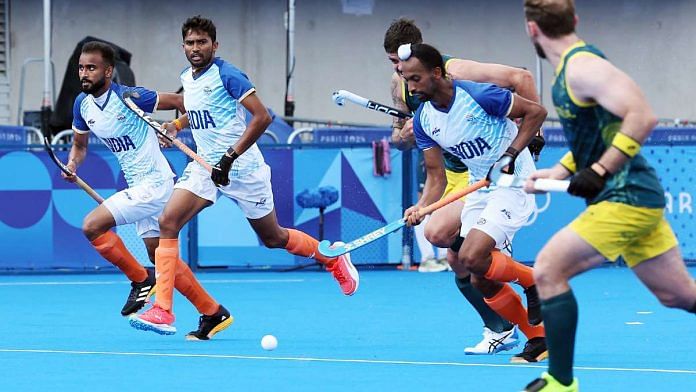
402, 331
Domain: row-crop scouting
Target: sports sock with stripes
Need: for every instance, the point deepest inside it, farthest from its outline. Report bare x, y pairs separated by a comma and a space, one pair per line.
509, 305
111, 247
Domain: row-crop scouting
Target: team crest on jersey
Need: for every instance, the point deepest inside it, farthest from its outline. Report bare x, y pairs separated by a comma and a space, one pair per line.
207, 90
120, 117
469, 116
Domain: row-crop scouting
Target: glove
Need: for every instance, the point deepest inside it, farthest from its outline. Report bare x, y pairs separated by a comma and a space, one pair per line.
504, 164
536, 145
587, 183
221, 171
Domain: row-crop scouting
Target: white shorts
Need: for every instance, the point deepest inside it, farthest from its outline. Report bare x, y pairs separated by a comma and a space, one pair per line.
252, 192
142, 205
498, 213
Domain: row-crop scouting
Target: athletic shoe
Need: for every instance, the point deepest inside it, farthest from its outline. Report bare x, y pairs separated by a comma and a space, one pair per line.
210, 325
345, 273
534, 351
140, 294
432, 265
533, 305
494, 342
154, 319
547, 383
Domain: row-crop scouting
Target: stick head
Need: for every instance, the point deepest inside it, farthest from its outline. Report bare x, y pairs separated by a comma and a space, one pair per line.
338, 97
131, 94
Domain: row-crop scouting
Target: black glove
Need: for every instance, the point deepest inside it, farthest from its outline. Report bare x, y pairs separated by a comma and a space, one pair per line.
587, 183
504, 164
221, 171
536, 145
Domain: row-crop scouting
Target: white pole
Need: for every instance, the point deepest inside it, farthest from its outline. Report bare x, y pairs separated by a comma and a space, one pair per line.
539, 81
290, 61
47, 93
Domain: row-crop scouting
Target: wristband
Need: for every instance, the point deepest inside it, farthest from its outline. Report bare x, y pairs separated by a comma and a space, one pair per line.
232, 153
569, 162
177, 124
626, 144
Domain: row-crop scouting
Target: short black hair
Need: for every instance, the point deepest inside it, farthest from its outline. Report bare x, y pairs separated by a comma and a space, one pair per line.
199, 23
107, 51
401, 31
430, 57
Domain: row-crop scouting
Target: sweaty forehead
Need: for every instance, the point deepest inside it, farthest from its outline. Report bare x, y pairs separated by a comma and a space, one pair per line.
411, 66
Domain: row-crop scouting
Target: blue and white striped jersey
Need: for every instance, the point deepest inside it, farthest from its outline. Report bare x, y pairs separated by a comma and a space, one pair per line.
217, 120
132, 141
474, 128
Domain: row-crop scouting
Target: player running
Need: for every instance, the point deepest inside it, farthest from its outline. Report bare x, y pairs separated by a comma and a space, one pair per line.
470, 120
214, 93
443, 227
99, 109
605, 118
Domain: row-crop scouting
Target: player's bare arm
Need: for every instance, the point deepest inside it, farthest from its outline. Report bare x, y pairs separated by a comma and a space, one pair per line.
595, 80
77, 155
169, 101
173, 128
435, 183
504, 76
257, 126
532, 115
402, 129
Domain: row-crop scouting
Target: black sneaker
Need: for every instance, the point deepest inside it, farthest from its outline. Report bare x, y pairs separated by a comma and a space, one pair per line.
534, 351
533, 305
210, 325
140, 294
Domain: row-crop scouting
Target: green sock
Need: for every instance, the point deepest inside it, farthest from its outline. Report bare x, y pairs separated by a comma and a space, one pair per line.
560, 315
491, 319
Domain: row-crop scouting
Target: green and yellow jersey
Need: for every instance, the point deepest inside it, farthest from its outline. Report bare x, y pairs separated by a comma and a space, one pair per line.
590, 129
452, 163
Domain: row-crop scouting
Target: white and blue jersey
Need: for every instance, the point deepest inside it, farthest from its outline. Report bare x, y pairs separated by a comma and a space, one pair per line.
217, 120
474, 128
132, 141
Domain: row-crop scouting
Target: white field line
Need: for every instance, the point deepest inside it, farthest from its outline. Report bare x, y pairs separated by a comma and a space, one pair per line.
337, 360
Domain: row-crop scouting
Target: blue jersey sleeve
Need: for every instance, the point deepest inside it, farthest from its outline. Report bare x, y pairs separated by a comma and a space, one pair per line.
147, 99
235, 81
423, 141
78, 122
494, 100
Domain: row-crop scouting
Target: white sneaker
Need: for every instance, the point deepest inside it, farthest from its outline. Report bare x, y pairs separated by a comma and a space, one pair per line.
494, 342
431, 265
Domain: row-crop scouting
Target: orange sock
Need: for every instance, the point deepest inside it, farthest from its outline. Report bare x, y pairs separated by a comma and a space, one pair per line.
166, 259
112, 248
509, 305
302, 244
187, 284
504, 269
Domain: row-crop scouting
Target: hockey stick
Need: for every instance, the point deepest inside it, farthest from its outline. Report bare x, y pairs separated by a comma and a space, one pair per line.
328, 251
158, 128
540, 184
341, 96
67, 171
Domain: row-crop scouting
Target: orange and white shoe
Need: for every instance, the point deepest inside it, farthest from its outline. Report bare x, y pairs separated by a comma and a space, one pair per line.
154, 319
345, 273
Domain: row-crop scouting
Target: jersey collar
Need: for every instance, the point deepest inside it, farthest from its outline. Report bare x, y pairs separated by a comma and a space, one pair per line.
561, 63
204, 70
106, 101
451, 102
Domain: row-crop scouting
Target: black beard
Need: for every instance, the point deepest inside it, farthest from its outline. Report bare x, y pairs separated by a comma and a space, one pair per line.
539, 50
96, 86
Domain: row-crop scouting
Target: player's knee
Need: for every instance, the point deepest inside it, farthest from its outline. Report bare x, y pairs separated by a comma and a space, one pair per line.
473, 261
545, 273
672, 300
437, 237
91, 229
169, 227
